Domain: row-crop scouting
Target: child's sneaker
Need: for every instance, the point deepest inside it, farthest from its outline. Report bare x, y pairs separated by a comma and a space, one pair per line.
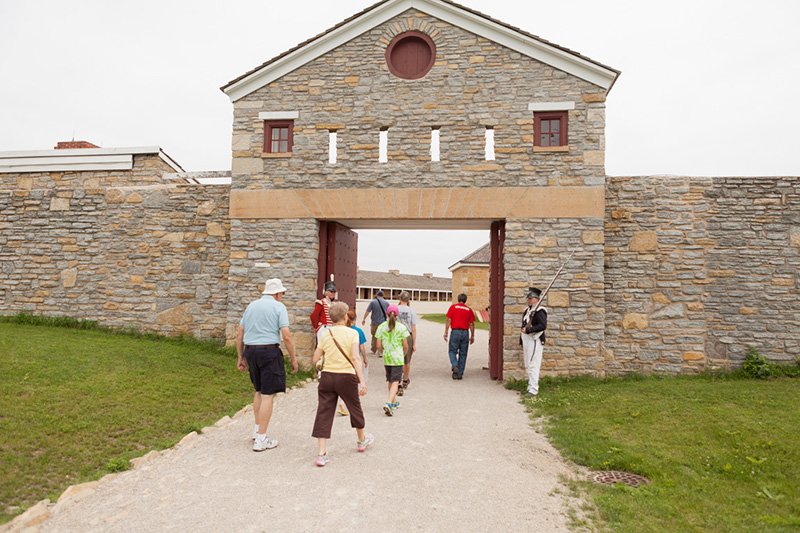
395, 405
362, 445
322, 460
400, 390
388, 409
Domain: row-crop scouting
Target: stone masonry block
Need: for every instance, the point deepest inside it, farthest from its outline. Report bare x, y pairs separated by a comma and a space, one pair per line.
594, 158
558, 299
635, 321
593, 237
59, 204
644, 241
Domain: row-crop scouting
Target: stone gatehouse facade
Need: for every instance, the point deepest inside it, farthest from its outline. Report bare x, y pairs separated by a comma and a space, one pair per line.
671, 274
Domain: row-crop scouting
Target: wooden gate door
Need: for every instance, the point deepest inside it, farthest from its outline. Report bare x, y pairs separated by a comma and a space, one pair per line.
497, 287
338, 257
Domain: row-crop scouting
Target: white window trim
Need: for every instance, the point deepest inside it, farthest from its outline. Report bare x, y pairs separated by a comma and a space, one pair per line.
279, 115
551, 106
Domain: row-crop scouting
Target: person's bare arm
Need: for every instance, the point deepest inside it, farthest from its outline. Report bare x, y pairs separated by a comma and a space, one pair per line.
358, 363
241, 364
286, 335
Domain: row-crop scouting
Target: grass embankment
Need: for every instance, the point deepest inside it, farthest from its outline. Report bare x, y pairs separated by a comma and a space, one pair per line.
441, 319
723, 454
79, 402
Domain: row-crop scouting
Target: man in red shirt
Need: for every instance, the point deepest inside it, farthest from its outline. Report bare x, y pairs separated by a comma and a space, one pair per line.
461, 319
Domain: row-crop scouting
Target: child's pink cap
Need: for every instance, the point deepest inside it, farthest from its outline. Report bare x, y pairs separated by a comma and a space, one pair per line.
392, 308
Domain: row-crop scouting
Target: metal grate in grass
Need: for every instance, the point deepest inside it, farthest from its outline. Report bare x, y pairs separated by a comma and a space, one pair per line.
611, 477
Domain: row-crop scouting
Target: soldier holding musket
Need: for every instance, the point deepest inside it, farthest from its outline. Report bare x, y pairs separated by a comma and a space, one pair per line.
534, 322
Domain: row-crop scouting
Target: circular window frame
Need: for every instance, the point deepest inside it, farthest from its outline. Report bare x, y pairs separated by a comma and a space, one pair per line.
400, 38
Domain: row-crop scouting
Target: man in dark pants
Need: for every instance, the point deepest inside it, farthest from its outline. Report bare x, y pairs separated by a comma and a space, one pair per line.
462, 320
377, 311
264, 324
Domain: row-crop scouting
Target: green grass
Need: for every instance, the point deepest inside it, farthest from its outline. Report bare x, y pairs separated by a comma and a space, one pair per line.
441, 319
79, 401
723, 453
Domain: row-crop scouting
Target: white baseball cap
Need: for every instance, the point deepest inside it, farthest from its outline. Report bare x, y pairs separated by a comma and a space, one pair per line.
274, 286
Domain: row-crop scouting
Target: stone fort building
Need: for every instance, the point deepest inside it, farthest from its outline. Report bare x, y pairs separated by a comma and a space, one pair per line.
415, 114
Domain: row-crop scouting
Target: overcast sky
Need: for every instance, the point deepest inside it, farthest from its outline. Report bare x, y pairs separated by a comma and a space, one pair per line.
707, 87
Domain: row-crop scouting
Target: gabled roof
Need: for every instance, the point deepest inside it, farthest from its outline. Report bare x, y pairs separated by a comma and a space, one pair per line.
446, 10
390, 280
480, 257
78, 159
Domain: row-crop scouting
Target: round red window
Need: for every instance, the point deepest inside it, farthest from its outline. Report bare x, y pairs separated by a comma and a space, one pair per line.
411, 55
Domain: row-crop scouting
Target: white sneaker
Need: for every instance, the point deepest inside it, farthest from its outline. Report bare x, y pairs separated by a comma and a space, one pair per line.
264, 444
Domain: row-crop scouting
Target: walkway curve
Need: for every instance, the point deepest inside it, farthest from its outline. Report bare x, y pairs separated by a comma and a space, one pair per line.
457, 456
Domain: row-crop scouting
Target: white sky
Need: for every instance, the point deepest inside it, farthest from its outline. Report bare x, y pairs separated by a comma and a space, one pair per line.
707, 87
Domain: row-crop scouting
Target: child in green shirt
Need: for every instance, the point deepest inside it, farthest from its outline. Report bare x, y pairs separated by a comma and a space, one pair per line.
392, 337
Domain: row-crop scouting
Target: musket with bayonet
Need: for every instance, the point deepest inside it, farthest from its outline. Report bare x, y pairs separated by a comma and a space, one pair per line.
544, 294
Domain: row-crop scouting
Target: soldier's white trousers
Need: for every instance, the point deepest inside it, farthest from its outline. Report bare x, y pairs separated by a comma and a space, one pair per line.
532, 355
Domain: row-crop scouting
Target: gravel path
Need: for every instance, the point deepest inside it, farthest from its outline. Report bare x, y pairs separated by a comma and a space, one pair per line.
457, 456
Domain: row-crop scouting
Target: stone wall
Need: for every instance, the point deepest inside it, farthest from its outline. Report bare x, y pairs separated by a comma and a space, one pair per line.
285, 249
534, 250
474, 282
475, 83
148, 169
151, 257
698, 269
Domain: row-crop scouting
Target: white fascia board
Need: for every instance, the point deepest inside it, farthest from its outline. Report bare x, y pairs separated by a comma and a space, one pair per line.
315, 49
551, 106
279, 115
572, 64
462, 264
169, 161
78, 159
66, 164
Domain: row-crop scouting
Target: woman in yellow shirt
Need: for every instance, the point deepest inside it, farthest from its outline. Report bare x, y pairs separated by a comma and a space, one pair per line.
341, 375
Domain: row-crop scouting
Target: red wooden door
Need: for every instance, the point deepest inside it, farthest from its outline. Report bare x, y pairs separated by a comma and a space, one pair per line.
338, 257
496, 293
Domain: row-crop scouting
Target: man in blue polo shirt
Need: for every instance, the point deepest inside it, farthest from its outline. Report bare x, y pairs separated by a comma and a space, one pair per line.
264, 324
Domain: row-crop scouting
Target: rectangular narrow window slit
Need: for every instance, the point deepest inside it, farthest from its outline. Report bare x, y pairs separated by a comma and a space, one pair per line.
332, 147
489, 149
383, 146
435, 144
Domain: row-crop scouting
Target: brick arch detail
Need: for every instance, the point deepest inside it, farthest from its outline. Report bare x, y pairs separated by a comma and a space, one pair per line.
406, 24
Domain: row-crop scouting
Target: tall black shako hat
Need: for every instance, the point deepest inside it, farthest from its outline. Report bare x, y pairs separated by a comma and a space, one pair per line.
330, 286
533, 292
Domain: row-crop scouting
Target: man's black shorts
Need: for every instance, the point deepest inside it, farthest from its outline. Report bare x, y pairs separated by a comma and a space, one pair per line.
267, 371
